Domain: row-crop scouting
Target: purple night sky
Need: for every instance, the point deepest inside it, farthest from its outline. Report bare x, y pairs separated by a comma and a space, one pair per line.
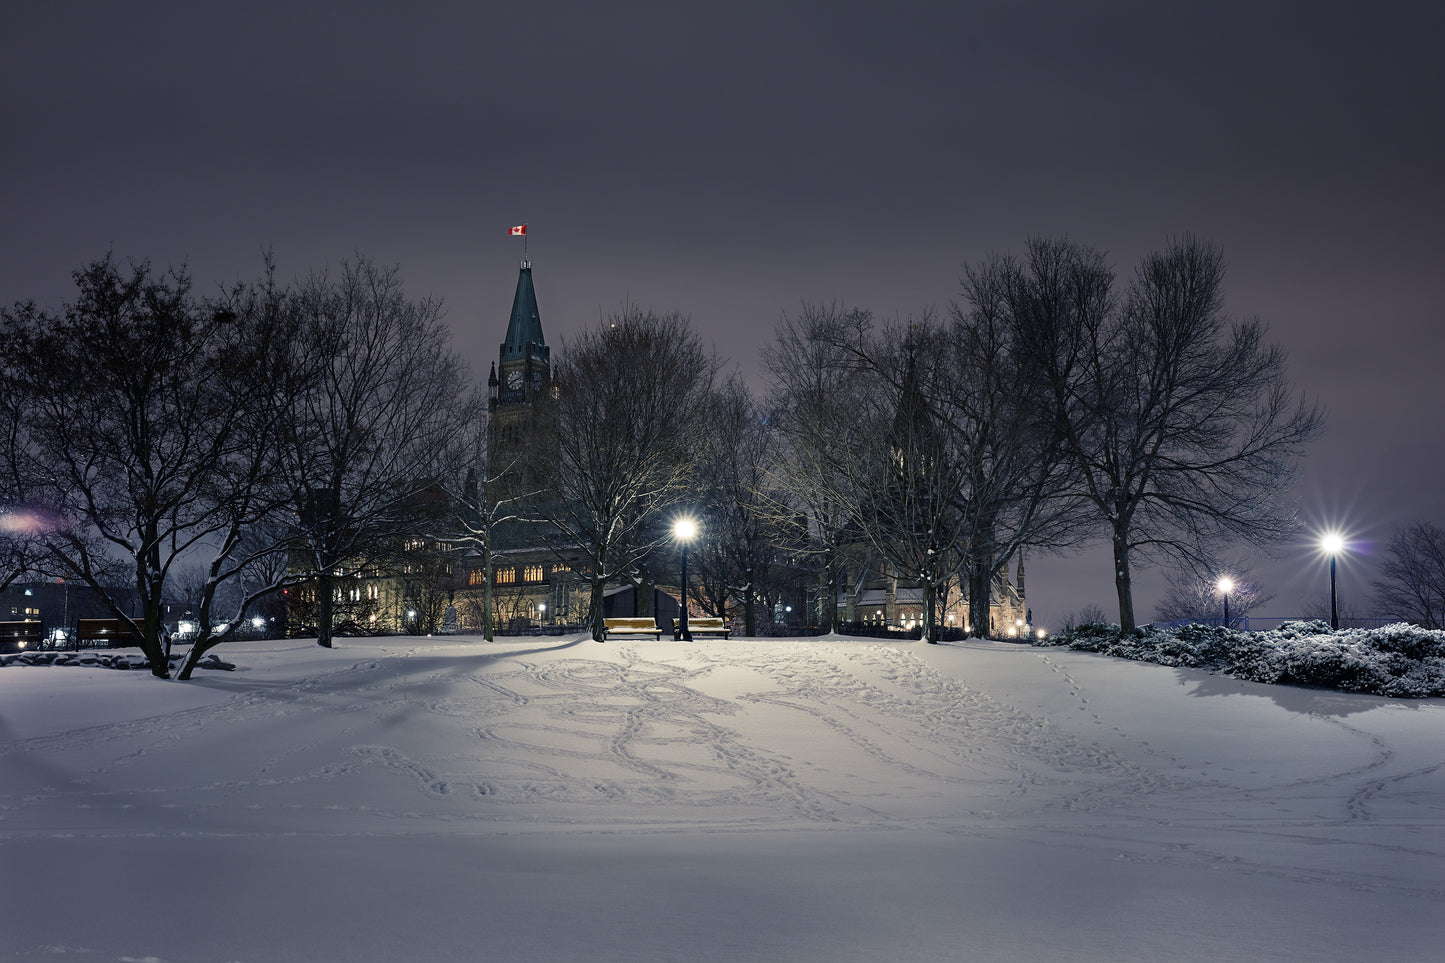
733, 159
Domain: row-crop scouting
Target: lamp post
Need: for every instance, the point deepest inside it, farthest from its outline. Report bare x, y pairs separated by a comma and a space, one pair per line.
1333, 544
1226, 585
684, 530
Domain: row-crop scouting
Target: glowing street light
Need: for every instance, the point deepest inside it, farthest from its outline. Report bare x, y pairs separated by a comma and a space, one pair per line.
684, 530
1333, 544
1226, 585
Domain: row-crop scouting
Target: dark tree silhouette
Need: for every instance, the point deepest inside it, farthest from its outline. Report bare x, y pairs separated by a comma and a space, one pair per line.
629, 399
377, 437
1182, 425
1412, 579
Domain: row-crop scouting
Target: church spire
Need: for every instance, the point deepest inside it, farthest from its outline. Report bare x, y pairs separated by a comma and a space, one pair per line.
524, 330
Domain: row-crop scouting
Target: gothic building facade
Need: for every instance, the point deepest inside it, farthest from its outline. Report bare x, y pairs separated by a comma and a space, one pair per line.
533, 584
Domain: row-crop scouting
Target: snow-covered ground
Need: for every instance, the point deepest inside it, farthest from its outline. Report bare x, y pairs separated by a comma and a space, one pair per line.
560, 799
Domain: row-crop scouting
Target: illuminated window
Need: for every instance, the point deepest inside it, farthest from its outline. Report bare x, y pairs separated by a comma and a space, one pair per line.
506, 576
532, 573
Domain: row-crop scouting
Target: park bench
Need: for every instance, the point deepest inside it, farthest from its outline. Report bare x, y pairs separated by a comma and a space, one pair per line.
629, 626
113, 632
708, 626
19, 636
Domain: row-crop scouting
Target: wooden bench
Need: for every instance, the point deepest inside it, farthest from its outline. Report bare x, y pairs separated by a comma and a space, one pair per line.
113, 632
708, 626
638, 626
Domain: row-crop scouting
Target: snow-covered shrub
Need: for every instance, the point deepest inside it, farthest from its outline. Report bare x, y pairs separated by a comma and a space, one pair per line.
104, 660
1401, 660
1088, 637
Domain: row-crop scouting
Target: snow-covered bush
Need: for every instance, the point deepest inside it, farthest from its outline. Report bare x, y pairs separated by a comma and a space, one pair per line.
1088, 637
103, 660
1394, 660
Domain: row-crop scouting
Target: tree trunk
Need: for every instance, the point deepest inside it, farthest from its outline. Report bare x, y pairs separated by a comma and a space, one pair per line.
645, 587
488, 604
150, 643
323, 609
828, 604
599, 623
1122, 583
198, 648
980, 590
930, 612
750, 607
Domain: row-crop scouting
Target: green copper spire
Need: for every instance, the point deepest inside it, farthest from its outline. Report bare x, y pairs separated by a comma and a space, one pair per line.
524, 331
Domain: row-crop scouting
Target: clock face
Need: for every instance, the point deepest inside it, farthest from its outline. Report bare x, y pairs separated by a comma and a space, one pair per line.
514, 380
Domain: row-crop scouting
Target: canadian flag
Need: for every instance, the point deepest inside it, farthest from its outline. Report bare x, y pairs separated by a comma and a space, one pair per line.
519, 229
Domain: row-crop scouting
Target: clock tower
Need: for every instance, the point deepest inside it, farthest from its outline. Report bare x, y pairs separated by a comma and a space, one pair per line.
521, 373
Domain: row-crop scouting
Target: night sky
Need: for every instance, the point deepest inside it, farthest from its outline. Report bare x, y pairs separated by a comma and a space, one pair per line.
731, 160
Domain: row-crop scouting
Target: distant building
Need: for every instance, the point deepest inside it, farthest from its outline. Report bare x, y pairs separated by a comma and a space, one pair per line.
58, 605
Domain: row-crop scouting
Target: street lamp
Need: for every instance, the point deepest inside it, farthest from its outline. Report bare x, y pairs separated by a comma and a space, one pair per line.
1333, 544
542, 612
1226, 585
684, 530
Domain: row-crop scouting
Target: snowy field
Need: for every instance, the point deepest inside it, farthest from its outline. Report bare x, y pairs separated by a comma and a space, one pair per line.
815, 800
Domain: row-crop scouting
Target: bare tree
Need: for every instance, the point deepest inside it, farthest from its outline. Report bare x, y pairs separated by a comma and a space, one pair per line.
945, 459
381, 432
1089, 614
819, 385
1412, 579
1193, 592
1017, 486
492, 497
1182, 425
738, 546
145, 440
905, 467
20, 524
629, 398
